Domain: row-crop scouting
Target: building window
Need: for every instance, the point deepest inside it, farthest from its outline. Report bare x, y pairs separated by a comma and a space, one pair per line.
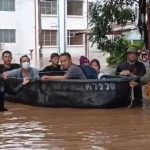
74, 37
49, 7
49, 37
7, 36
7, 5
75, 8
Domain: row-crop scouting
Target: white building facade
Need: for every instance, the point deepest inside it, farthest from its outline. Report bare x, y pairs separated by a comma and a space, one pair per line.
40, 27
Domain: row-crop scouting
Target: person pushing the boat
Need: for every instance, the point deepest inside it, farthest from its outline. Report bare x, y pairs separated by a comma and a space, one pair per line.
4, 87
132, 67
7, 65
73, 71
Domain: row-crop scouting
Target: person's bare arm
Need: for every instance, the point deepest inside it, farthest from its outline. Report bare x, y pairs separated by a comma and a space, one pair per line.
54, 77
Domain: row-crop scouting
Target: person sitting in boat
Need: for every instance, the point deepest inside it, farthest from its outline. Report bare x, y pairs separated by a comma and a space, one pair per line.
7, 65
73, 71
54, 59
24, 72
87, 69
132, 67
96, 65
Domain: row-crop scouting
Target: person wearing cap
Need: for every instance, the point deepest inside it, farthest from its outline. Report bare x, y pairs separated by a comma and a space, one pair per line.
54, 59
132, 67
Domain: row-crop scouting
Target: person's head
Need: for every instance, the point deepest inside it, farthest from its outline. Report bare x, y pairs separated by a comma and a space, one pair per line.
7, 57
65, 60
25, 62
132, 54
84, 61
54, 58
95, 64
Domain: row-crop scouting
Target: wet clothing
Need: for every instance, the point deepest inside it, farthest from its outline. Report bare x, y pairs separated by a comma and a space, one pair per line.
75, 72
12, 66
6, 88
51, 68
137, 69
17, 73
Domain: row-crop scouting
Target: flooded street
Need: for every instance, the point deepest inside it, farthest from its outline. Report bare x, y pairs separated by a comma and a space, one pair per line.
26, 128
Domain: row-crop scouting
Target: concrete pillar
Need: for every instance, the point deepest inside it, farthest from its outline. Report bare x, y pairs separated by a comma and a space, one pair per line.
62, 12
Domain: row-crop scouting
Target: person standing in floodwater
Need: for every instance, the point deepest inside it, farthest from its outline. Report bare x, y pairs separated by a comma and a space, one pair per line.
132, 67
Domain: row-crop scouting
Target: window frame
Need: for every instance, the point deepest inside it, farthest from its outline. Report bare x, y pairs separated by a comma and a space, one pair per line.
73, 1
7, 5
44, 8
8, 36
49, 36
69, 42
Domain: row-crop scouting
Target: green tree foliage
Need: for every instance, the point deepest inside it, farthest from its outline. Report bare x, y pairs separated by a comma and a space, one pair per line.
103, 16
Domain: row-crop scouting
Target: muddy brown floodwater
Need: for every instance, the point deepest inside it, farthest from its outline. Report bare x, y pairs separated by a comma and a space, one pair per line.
27, 128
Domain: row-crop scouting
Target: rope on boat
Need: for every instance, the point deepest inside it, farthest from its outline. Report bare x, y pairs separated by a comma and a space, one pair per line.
132, 97
133, 83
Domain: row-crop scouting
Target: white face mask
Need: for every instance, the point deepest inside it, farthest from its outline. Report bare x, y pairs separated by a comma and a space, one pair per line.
26, 65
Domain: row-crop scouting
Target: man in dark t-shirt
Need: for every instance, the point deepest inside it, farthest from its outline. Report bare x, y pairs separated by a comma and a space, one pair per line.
54, 59
73, 71
132, 67
7, 66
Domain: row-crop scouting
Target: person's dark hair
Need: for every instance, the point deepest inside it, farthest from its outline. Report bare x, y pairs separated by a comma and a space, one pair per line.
96, 61
6, 52
65, 54
53, 55
23, 57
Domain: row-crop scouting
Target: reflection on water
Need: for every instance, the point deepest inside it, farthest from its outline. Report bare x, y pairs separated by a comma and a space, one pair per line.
26, 128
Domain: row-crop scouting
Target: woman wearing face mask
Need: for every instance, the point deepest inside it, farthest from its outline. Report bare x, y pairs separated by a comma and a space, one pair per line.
25, 72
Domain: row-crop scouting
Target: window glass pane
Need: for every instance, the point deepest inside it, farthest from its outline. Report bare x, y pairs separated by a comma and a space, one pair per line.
49, 7
12, 36
74, 39
49, 37
1, 36
7, 36
75, 8
7, 5
1, 5
12, 5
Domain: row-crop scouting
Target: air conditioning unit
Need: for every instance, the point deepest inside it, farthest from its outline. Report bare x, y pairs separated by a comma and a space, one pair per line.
1, 46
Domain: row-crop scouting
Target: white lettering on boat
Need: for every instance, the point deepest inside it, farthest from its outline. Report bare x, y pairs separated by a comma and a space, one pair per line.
100, 86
